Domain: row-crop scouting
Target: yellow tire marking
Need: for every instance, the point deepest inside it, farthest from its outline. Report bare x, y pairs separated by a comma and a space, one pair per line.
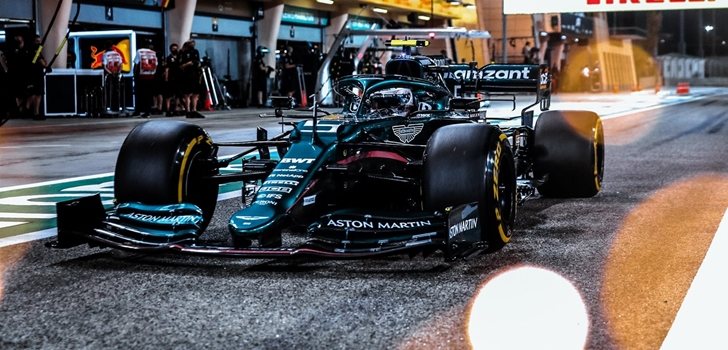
185, 158
596, 160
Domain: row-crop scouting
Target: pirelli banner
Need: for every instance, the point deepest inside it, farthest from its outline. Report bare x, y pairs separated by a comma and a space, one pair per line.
512, 7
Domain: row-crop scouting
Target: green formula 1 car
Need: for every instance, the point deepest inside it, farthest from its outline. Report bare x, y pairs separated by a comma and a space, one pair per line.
405, 167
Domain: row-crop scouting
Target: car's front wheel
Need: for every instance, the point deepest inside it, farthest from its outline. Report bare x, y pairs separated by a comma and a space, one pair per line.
164, 162
467, 163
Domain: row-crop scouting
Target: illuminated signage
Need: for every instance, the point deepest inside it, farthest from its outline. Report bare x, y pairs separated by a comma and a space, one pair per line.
511, 7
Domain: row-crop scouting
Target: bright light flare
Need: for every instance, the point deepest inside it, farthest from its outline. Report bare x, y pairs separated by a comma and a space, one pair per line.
9, 256
655, 255
423, 17
528, 308
379, 10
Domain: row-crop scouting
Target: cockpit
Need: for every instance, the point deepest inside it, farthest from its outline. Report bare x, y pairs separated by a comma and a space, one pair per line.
381, 96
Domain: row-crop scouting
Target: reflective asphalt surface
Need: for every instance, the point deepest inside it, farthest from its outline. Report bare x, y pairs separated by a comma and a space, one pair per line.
629, 255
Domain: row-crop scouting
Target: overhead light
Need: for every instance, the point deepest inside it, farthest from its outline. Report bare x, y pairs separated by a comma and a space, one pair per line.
327, 2
453, 2
423, 17
379, 10
469, 6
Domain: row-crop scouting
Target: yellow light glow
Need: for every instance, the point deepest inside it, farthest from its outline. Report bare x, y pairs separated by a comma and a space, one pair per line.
528, 308
655, 255
9, 256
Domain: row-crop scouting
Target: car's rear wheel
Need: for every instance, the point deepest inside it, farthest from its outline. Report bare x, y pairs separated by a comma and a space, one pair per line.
466, 163
569, 153
163, 162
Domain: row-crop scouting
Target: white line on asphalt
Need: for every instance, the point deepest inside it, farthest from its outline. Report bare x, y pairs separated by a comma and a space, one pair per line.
701, 320
33, 236
54, 182
32, 146
651, 108
26, 216
28, 237
4, 224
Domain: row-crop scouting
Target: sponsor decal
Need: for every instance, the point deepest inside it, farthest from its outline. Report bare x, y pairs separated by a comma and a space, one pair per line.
251, 218
490, 74
323, 128
290, 176
463, 226
281, 182
297, 160
309, 200
544, 79
463, 74
407, 133
507, 74
265, 202
270, 196
163, 219
616, 2
275, 189
292, 169
571, 6
381, 225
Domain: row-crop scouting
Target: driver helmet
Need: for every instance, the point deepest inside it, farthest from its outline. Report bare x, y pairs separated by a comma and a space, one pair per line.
399, 101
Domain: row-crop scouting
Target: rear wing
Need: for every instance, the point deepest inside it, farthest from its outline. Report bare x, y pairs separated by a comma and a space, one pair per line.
465, 80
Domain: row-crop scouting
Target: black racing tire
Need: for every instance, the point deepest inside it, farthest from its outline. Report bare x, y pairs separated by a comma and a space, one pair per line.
569, 154
160, 162
467, 163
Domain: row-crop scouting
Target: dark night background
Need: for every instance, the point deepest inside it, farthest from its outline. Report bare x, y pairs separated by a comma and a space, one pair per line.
670, 36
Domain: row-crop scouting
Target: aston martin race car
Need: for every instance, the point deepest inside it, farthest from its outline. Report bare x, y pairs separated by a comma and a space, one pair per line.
406, 167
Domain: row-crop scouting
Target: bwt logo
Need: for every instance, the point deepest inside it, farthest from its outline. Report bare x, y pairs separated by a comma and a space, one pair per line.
610, 2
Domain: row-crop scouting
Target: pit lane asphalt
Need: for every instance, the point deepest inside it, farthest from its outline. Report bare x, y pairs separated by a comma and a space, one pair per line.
664, 168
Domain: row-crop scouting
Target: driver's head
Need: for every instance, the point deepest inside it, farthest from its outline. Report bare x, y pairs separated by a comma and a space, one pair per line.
398, 101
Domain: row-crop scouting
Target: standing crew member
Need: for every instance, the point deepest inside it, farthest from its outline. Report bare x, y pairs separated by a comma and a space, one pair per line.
172, 74
145, 67
289, 76
35, 88
190, 66
260, 77
19, 68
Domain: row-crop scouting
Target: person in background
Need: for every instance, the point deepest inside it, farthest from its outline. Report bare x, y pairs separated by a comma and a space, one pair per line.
19, 68
172, 74
526, 52
190, 66
289, 75
36, 85
158, 90
261, 71
4, 93
145, 68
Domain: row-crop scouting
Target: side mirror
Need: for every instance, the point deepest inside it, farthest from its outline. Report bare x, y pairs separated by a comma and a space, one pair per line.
464, 103
282, 102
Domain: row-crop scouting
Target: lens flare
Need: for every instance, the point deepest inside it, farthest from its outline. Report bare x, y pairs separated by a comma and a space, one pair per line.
9, 256
655, 256
528, 308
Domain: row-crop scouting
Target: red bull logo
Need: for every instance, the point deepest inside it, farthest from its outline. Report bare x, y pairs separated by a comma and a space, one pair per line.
122, 48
